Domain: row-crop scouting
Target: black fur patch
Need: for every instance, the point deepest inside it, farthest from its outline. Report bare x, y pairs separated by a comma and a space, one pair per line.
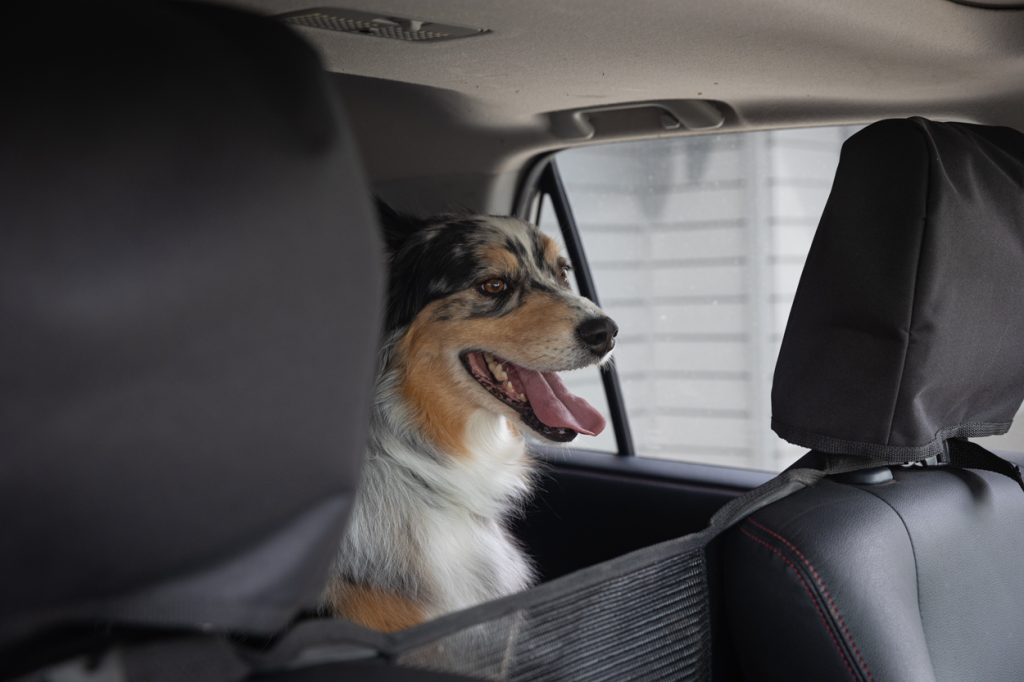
538, 252
396, 227
516, 247
431, 263
435, 258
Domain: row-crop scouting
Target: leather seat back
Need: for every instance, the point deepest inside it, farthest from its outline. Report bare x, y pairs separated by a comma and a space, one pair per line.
913, 579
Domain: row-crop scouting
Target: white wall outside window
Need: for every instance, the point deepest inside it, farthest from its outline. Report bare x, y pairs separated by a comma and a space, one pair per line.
696, 245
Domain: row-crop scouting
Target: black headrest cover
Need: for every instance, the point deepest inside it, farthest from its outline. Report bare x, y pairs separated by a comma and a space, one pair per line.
907, 327
190, 285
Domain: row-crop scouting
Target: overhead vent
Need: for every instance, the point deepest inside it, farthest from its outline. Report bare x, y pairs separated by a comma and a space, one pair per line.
367, 23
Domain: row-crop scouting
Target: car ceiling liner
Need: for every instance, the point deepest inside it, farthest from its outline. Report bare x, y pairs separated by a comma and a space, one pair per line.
191, 285
907, 325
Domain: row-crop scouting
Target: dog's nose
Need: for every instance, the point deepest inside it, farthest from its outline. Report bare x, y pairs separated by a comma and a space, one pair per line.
598, 334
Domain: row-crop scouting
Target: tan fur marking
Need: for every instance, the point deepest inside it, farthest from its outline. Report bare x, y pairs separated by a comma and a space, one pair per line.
551, 250
437, 403
502, 259
373, 608
521, 329
441, 405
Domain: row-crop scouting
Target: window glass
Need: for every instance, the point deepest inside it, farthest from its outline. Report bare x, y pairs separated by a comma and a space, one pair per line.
587, 382
696, 245
1011, 442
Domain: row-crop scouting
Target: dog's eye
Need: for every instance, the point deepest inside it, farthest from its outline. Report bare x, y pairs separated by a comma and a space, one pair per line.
564, 274
493, 286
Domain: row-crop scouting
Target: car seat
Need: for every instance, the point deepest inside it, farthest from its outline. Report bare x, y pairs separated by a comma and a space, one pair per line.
903, 342
191, 286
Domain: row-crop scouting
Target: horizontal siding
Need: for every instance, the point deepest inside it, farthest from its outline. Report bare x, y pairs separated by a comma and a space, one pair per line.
785, 277
672, 282
640, 165
798, 203
668, 234
680, 318
1012, 441
724, 240
796, 161
792, 238
600, 208
678, 433
723, 397
666, 237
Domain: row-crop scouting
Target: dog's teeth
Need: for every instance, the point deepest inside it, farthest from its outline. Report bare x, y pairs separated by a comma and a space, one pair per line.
520, 397
509, 386
496, 368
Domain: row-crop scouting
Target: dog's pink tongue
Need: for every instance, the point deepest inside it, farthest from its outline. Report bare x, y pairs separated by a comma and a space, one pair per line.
556, 406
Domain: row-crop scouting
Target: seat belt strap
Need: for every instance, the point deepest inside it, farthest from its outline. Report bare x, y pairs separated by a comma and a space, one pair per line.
967, 455
804, 473
816, 465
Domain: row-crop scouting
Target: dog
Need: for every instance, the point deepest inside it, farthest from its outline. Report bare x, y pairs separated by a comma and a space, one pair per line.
480, 317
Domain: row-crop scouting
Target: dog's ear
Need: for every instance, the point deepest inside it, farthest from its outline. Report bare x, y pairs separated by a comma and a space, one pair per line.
397, 227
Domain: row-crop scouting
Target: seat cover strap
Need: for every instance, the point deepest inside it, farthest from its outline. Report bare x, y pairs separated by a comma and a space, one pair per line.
967, 455
816, 465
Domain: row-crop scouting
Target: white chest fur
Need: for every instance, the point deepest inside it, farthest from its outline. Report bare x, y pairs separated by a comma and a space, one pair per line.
432, 528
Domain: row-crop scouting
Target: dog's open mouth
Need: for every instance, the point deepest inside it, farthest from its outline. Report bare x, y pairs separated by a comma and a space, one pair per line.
541, 399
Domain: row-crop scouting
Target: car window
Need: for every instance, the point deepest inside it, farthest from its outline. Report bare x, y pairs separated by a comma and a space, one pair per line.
696, 245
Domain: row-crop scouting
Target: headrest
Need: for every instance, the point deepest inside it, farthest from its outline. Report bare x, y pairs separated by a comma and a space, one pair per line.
907, 326
190, 293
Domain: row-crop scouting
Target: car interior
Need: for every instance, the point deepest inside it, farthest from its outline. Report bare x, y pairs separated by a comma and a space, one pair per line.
807, 219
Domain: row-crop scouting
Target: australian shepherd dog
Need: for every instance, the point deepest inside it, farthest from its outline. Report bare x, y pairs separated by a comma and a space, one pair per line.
480, 319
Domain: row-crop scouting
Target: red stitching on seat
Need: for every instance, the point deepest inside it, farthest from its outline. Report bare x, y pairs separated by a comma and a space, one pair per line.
817, 607
824, 590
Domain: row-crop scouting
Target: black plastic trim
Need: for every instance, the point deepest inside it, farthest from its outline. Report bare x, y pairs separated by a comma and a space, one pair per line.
550, 183
702, 475
529, 188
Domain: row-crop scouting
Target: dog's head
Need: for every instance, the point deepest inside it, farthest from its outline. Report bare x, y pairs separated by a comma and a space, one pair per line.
483, 318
